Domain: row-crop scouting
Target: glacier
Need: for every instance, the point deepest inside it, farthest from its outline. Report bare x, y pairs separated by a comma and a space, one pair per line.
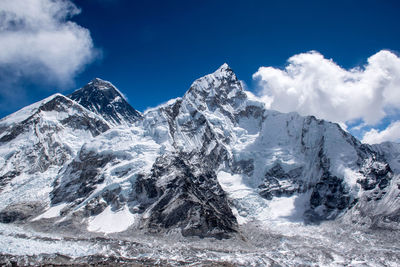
212, 177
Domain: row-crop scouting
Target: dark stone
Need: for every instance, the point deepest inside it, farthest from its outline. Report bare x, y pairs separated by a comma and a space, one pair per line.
80, 178
384, 182
147, 186
331, 193
12, 216
315, 199
19, 212
311, 217
94, 207
7, 177
12, 133
98, 96
194, 203
113, 198
374, 176
278, 183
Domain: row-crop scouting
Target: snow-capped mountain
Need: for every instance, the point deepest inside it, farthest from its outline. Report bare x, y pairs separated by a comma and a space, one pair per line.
104, 99
391, 152
35, 143
208, 164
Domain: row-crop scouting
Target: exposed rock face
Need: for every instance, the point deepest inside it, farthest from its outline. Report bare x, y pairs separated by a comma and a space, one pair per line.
391, 152
47, 134
279, 183
84, 173
190, 200
19, 213
35, 143
102, 98
210, 161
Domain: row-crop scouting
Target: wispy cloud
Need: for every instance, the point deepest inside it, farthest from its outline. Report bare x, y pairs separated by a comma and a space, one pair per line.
313, 85
38, 43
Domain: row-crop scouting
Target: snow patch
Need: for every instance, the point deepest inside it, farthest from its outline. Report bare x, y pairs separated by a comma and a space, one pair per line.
18, 241
351, 177
51, 212
111, 222
250, 206
233, 184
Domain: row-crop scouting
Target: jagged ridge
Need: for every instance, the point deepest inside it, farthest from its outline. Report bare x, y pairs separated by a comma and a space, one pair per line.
104, 99
214, 160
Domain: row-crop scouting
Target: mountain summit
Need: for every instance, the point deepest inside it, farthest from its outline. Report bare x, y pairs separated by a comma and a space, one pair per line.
104, 99
214, 163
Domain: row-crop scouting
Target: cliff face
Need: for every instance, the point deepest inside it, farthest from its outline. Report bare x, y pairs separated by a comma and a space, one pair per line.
203, 165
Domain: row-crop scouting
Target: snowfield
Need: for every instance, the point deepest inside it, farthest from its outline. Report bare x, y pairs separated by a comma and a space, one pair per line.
212, 178
281, 245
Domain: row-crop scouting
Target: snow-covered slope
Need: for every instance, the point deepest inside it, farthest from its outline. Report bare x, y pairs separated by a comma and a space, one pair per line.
208, 164
35, 143
104, 99
391, 152
215, 160
213, 163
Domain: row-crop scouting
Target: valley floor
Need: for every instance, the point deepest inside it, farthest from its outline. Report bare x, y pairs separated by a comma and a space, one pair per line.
328, 244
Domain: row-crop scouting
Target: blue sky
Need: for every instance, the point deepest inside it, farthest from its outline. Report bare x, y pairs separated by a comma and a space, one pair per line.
153, 50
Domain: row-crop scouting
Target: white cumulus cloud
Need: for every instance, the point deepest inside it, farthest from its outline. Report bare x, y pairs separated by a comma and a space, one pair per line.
37, 39
391, 133
313, 85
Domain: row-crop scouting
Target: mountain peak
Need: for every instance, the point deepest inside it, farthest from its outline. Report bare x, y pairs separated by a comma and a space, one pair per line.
94, 80
104, 99
223, 75
224, 71
100, 81
216, 90
214, 163
224, 67
28, 111
101, 84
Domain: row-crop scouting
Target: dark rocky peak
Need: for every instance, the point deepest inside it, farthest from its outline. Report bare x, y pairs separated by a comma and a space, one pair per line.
45, 135
104, 99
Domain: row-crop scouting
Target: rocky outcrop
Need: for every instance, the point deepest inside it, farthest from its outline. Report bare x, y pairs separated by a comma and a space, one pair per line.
104, 99
45, 136
280, 183
19, 213
163, 169
177, 194
84, 174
